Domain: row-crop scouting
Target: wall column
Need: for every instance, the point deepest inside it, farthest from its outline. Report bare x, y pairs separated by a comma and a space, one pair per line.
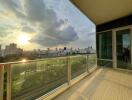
131, 44
114, 54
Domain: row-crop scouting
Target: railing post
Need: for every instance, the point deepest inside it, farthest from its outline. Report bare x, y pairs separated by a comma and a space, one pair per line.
96, 61
9, 71
69, 69
1, 81
87, 63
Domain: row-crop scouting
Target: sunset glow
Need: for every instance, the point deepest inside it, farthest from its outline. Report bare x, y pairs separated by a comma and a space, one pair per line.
41, 24
24, 60
23, 39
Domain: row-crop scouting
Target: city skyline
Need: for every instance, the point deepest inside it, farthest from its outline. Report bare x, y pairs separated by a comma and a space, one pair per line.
11, 52
44, 24
55, 48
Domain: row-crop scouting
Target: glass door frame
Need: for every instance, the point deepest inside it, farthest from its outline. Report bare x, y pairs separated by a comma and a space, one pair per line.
114, 48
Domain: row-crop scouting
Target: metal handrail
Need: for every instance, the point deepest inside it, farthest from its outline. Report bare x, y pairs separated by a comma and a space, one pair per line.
17, 62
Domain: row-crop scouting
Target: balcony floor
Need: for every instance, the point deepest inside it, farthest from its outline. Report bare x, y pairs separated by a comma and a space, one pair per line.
103, 84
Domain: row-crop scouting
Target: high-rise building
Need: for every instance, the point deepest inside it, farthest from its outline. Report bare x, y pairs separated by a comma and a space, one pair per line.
12, 50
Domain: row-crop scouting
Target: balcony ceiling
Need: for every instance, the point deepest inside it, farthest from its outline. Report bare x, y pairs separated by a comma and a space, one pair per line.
102, 11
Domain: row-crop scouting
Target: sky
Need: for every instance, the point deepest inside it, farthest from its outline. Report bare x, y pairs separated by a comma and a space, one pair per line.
34, 24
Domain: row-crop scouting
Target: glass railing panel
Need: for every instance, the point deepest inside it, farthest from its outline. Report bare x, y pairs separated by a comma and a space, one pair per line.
34, 79
92, 61
78, 65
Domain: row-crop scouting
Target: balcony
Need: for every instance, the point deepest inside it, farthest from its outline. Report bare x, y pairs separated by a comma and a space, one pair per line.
44, 78
103, 84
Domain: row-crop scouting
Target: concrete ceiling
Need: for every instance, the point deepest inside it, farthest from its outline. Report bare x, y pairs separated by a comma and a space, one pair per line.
102, 11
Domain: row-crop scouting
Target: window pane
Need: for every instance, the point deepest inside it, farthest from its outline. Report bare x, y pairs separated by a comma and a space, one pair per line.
123, 49
104, 45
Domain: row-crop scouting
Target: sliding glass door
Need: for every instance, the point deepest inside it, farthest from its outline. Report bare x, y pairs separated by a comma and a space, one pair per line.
123, 48
114, 48
104, 48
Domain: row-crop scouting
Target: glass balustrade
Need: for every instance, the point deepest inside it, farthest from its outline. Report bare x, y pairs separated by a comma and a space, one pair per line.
28, 80
78, 65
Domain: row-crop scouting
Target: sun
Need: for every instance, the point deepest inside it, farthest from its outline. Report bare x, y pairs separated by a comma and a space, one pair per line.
23, 39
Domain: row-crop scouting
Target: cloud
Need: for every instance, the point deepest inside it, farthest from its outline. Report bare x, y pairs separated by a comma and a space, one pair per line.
50, 31
28, 29
5, 30
13, 7
49, 26
48, 41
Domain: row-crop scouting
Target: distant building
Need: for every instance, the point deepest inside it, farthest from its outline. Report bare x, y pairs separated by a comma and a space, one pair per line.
29, 53
48, 49
65, 48
56, 49
82, 51
90, 50
2, 53
12, 50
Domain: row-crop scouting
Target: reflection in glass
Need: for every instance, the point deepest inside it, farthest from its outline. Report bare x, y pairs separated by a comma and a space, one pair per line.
104, 48
34, 79
123, 49
78, 65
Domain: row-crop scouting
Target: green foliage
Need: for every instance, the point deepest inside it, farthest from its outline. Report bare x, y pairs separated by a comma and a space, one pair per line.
27, 77
46, 74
